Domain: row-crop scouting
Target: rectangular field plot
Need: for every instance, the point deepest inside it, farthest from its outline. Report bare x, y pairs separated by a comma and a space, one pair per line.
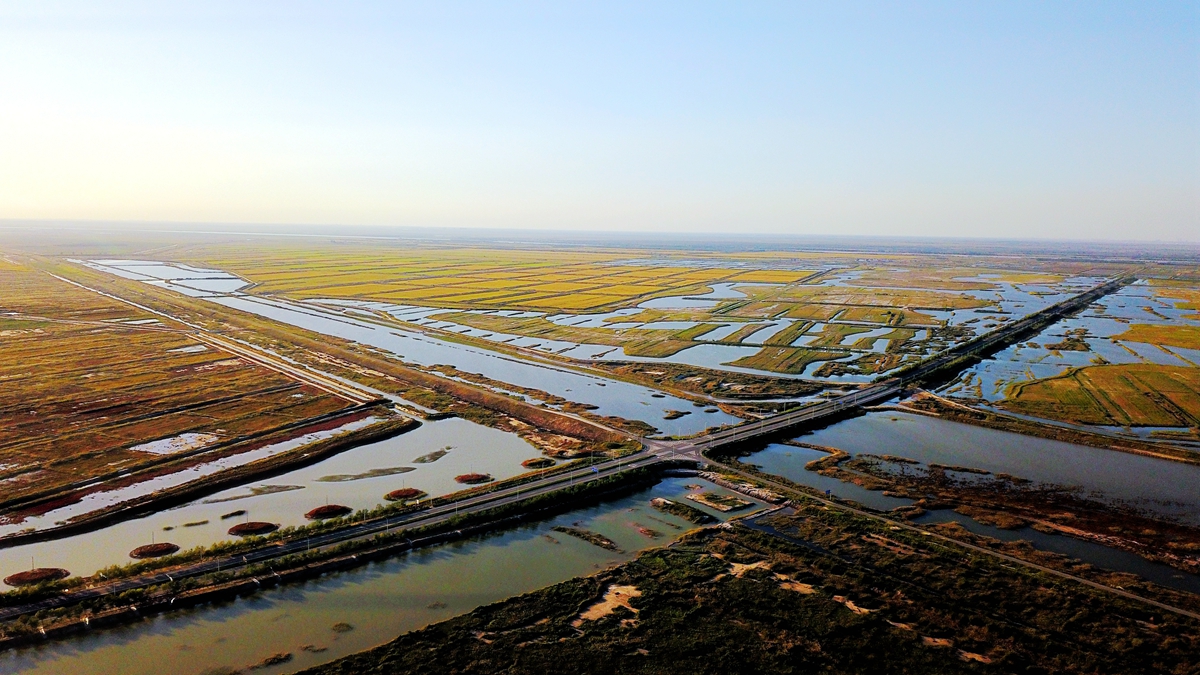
1125, 395
1187, 337
876, 310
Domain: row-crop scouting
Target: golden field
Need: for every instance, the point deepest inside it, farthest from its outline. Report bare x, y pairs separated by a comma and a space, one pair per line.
1122, 395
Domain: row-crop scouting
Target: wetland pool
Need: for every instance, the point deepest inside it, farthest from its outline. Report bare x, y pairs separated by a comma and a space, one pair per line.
1103, 320
1162, 487
285, 498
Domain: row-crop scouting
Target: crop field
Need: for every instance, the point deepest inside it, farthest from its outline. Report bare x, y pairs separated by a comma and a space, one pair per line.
508, 279
1187, 337
636, 342
84, 380
807, 305
949, 278
785, 359
1129, 360
848, 296
1123, 395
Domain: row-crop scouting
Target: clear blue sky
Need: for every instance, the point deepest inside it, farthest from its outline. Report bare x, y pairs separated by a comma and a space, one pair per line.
1018, 119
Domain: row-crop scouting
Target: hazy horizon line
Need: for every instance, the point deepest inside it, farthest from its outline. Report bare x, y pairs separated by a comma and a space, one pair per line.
357, 231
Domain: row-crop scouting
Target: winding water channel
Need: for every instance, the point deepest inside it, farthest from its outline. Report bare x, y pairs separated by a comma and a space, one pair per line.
609, 396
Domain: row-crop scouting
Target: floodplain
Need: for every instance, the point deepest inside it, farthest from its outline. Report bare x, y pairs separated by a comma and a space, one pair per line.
559, 359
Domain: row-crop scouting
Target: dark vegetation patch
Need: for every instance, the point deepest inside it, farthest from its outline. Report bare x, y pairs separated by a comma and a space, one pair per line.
328, 511
404, 494
253, 528
859, 599
688, 513
38, 575
588, 536
154, 550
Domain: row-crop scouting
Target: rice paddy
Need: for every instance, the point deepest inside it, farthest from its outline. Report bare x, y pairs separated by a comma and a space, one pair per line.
538, 280
1124, 395
792, 307
795, 308
1129, 361
1187, 337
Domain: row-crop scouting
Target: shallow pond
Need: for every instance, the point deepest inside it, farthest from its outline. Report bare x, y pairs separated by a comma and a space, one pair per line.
1009, 300
611, 397
472, 448
788, 461
931, 440
380, 601
98, 500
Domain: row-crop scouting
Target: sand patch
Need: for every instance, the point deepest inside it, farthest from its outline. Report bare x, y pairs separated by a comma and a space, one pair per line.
790, 585
176, 444
851, 606
616, 596
739, 569
936, 642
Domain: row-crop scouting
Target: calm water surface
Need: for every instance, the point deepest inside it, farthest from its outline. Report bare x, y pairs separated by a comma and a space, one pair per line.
381, 601
1161, 487
473, 448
